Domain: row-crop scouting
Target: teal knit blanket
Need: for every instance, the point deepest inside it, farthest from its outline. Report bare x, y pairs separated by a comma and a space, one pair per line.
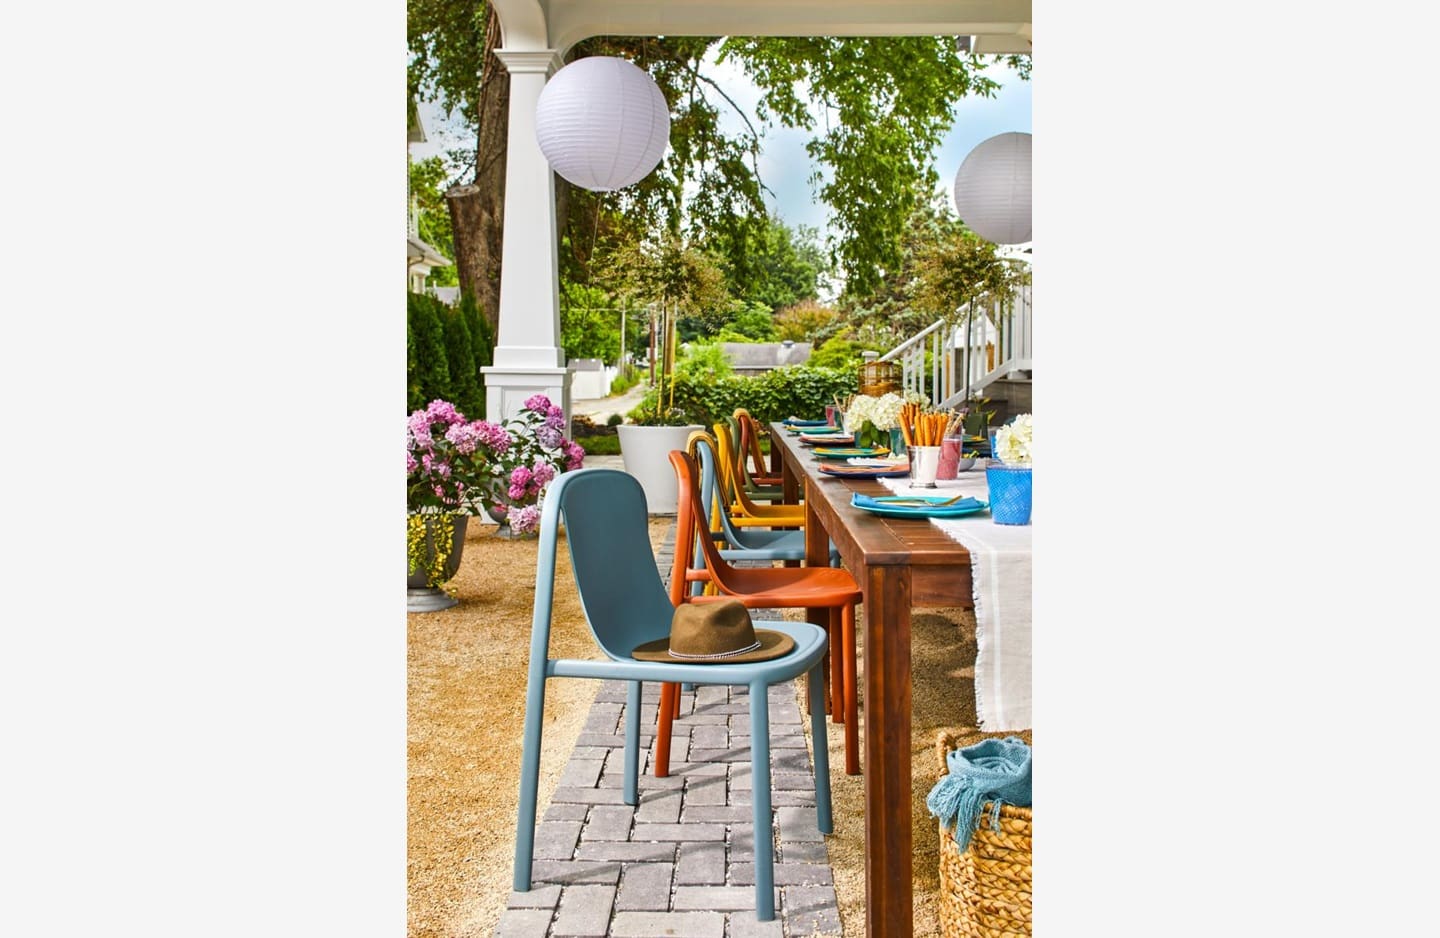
994, 770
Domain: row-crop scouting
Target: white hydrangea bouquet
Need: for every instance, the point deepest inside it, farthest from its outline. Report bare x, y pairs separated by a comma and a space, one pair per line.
1013, 442
872, 418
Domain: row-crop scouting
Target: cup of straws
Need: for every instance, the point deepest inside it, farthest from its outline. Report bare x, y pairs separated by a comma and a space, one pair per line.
925, 435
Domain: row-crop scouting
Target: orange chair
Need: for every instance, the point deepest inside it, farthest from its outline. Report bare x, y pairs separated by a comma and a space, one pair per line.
744, 512
829, 588
757, 473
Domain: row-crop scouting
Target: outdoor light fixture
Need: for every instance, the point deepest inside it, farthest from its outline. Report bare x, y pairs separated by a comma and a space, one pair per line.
992, 189
602, 123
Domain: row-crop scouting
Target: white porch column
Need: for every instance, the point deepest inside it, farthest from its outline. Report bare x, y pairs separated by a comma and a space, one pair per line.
528, 357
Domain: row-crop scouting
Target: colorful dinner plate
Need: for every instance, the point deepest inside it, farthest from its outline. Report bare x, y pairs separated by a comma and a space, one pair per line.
827, 439
907, 507
845, 452
865, 472
793, 422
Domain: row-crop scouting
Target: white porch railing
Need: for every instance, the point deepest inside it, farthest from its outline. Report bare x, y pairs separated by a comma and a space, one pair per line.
988, 339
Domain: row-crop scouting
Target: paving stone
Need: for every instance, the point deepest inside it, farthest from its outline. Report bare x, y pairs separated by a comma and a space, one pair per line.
710, 737
740, 815
744, 925
693, 769
574, 871
540, 897
584, 912
588, 796
701, 864
608, 822
665, 924
523, 923
786, 874
791, 799
720, 755
804, 853
718, 898
708, 719
645, 887
710, 695
566, 812
658, 807
604, 719
810, 909
705, 790
680, 832
580, 773
555, 840
797, 761
798, 824
627, 852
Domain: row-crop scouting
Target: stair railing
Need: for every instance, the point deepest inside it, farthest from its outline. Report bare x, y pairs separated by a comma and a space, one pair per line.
998, 343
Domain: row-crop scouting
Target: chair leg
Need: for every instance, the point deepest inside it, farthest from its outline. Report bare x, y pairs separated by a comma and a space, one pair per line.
632, 742
760, 796
837, 673
529, 782
852, 720
669, 706
824, 819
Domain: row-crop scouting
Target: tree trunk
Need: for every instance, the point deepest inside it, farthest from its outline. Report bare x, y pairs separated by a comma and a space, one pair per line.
477, 211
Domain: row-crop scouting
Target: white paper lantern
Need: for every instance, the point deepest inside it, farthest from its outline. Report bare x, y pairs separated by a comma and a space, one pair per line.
992, 189
602, 123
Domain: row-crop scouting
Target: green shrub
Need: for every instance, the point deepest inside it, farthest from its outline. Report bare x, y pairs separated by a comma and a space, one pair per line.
796, 390
429, 368
464, 375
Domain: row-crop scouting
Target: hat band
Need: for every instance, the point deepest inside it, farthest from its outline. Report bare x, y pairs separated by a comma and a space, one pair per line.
721, 654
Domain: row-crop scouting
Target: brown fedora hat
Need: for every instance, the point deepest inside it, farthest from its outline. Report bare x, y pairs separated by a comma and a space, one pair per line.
717, 632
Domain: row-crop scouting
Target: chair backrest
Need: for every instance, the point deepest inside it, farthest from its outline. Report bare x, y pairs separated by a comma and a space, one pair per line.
607, 526
690, 530
704, 451
728, 470
750, 444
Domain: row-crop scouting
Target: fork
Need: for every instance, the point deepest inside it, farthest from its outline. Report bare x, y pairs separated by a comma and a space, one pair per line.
926, 502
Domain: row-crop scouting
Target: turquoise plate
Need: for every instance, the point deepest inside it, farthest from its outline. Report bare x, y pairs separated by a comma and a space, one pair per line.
845, 452
918, 511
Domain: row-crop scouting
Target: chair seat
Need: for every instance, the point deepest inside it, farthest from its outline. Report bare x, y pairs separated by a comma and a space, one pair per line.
788, 587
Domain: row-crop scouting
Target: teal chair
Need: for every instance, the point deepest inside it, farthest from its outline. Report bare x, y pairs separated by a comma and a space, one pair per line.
626, 604
742, 543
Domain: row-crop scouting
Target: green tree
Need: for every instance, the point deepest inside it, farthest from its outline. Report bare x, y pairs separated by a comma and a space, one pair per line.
803, 321
589, 323
427, 185
777, 267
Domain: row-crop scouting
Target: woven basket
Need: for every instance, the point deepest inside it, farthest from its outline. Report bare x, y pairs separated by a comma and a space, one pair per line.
985, 891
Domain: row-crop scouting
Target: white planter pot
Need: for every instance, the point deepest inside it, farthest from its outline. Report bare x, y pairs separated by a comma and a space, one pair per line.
646, 451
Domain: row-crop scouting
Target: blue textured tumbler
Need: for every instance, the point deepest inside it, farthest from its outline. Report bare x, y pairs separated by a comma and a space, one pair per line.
1009, 493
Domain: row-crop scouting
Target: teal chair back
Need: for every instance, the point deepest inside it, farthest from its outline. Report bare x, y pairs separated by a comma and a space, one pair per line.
607, 530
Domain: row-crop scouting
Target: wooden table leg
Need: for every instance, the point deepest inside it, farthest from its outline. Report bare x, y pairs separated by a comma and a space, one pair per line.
817, 554
889, 890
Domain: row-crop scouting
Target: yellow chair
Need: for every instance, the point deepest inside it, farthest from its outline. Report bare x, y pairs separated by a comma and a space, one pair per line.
745, 513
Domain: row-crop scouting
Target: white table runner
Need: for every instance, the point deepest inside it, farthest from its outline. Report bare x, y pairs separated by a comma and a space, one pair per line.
1000, 565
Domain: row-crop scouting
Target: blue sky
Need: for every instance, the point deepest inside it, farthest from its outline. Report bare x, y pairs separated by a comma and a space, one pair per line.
785, 167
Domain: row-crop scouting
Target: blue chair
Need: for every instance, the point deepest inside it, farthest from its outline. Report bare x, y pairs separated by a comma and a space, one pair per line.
626, 604
741, 543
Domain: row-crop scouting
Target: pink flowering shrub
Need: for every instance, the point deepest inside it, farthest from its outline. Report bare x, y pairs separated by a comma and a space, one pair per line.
460, 466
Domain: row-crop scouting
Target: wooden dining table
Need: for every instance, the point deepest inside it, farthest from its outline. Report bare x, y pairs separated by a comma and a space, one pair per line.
899, 564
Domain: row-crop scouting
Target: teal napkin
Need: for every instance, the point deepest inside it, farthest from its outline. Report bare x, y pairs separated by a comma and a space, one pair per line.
995, 770
865, 501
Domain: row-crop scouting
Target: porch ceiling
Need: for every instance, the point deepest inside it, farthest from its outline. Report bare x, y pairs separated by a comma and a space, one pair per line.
1000, 26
